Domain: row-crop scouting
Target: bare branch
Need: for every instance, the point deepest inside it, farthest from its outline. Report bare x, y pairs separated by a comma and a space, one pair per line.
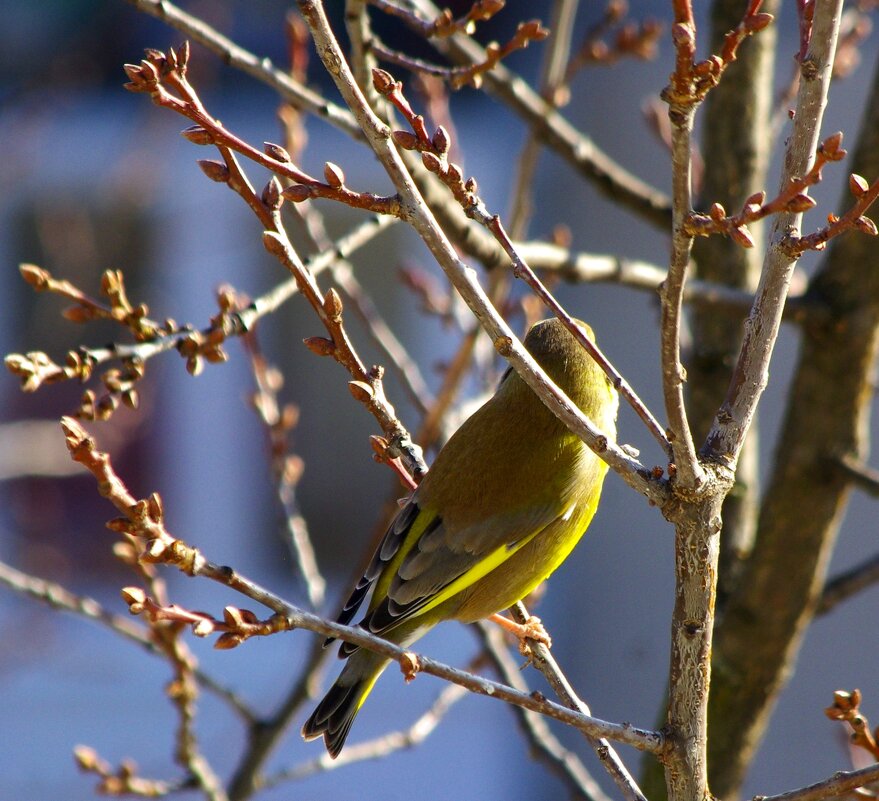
542, 741
258, 67
378, 748
848, 584
144, 521
572, 145
545, 662
836, 786
462, 277
863, 476
751, 374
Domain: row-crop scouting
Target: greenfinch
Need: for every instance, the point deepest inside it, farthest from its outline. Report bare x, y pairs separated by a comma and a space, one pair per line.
507, 499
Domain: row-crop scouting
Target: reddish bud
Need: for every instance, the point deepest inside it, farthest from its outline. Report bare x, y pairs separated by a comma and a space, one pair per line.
106, 406
133, 596
195, 365
831, 147
276, 152
717, 212
431, 162
757, 199
682, 35
215, 170
78, 314
866, 226
858, 185
334, 175
383, 81
35, 276
742, 236
130, 398
361, 391
405, 139
801, 202
441, 140
297, 193
271, 194
320, 345
333, 305
183, 56
757, 22
197, 135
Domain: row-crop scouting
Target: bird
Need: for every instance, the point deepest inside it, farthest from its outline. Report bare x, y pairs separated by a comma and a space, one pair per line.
506, 500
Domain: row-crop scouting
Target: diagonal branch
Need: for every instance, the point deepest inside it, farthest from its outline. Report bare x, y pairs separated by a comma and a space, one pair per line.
260, 68
417, 213
610, 178
143, 521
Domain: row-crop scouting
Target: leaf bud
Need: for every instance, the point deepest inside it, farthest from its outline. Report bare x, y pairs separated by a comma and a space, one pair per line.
333, 305
858, 185
334, 175
361, 391
405, 139
35, 276
197, 135
276, 152
215, 170
866, 225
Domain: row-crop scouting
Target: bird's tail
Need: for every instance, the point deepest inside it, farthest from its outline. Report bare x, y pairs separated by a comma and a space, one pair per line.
336, 712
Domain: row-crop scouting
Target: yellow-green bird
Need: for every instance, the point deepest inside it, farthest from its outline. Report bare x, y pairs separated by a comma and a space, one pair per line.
507, 499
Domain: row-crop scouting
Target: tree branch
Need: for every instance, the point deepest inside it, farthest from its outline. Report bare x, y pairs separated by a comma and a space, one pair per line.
144, 521
572, 145
848, 584
751, 374
827, 413
837, 786
417, 213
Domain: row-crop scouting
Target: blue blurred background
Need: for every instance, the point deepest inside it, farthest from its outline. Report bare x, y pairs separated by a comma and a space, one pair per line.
94, 177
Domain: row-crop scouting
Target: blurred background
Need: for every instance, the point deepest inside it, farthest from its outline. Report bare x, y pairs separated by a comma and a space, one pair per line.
93, 178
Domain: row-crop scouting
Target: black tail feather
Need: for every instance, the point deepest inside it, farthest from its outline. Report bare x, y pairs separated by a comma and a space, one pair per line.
334, 716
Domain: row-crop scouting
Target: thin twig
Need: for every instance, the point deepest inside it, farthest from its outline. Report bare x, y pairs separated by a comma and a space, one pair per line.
36, 368
552, 77
848, 584
521, 269
286, 469
144, 521
836, 786
577, 267
58, 597
863, 476
460, 275
681, 111
545, 662
163, 77
434, 152
561, 136
564, 763
258, 67
265, 734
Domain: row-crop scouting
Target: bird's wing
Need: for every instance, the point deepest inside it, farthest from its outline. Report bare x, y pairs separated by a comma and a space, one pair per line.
440, 563
401, 526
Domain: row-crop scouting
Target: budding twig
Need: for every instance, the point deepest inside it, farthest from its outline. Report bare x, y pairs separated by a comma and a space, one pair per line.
434, 154
143, 520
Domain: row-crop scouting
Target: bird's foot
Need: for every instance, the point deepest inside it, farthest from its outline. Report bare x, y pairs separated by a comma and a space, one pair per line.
532, 629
